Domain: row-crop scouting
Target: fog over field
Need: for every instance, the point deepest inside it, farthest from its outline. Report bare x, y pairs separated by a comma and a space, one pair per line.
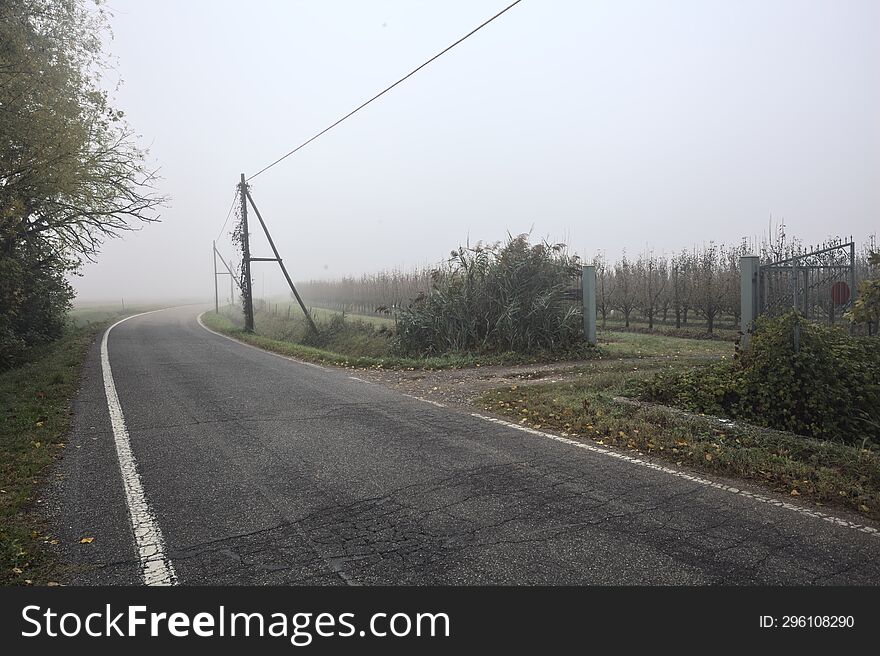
608, 125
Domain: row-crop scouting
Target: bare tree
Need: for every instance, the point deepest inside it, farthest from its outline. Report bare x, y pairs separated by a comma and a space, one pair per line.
651, 278
604, 287
709, 287
625, 290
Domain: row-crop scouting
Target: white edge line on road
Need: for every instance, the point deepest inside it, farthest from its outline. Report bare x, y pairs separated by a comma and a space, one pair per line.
238, 341
689, 477
423, 400
156, 568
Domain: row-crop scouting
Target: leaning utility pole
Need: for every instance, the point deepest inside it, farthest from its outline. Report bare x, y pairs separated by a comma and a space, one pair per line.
246, 291
278, 259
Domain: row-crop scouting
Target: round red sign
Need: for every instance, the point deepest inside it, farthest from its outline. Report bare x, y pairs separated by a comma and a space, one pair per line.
839, 293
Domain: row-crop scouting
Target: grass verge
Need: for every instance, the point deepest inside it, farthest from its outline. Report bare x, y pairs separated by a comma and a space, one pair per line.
823, 472
33, 427
223, 324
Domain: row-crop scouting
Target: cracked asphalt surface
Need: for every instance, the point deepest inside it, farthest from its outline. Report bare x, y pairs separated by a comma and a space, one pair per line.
261, 470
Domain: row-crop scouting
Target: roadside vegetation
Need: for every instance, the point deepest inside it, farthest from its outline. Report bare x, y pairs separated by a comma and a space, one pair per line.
796, 375
355, 343
35, 399
504, 303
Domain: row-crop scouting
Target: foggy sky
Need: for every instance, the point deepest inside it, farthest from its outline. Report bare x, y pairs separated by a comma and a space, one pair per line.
608, 125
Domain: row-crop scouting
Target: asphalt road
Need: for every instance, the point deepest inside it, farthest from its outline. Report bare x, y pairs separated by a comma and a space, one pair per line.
261, 470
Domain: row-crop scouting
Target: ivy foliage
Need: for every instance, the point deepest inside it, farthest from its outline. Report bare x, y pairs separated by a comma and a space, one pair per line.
866, 309
795, 375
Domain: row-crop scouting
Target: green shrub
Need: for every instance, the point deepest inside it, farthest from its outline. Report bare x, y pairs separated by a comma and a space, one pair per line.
796, 375
492, 299
34, 301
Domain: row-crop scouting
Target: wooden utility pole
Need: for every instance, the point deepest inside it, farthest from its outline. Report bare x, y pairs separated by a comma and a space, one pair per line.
247, 291
233, 280
216, 299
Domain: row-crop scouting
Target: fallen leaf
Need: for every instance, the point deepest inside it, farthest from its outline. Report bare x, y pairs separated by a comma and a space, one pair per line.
708, 456
795, 493
86, 540
864, 508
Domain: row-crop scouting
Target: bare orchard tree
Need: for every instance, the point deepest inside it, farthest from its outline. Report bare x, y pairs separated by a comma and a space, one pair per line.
604, 287
624, 294
710, 287
730, 274
651, 277
681, 286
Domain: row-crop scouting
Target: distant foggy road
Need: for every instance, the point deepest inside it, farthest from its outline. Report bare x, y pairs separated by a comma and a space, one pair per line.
262, 470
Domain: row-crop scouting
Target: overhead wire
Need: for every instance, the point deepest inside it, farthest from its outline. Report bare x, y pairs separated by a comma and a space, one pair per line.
228, 214
384, 91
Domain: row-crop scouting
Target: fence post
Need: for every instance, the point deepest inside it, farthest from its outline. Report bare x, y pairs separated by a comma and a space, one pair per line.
588, 283
749, 266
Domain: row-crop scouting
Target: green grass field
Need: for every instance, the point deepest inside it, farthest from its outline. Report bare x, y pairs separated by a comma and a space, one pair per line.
87, 313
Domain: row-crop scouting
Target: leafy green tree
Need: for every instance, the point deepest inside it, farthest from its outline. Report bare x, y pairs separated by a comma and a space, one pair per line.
71, 174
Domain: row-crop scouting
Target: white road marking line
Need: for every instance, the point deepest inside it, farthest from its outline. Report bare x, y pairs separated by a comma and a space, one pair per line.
156, 568
694, 479
419, 398
238, 341
361, 380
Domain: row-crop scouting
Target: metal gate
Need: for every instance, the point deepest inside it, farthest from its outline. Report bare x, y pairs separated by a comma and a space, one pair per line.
819, 285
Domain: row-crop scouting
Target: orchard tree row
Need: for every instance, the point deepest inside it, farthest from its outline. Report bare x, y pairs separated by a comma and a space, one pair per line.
697, 289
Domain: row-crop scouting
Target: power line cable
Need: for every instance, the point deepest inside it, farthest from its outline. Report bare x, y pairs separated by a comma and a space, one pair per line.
228, 214
386, 90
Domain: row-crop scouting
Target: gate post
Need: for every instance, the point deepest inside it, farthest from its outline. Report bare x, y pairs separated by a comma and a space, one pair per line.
588, 284
749, 266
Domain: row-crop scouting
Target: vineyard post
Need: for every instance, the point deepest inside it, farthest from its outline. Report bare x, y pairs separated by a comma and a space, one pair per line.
749, 273
588, 283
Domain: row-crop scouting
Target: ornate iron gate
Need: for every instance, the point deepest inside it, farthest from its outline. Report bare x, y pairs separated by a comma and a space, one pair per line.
820, 285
